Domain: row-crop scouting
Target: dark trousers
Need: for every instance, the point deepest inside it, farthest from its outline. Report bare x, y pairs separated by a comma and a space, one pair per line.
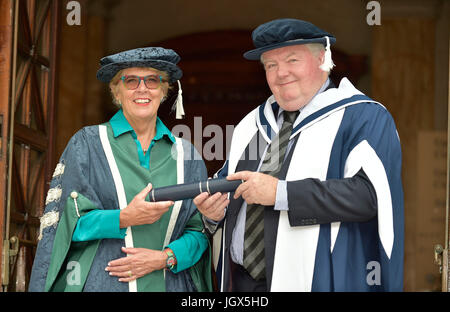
243, 282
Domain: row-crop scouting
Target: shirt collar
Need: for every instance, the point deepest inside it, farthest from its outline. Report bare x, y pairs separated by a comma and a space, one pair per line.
120, 125
323, 88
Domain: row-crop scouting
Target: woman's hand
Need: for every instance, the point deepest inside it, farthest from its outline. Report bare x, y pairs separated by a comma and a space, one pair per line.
212, 207
139, 211
137, 263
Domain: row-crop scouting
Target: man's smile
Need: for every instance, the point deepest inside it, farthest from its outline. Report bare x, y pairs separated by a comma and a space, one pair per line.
282, 84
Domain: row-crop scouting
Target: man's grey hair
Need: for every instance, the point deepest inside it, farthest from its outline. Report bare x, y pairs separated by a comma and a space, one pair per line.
314, 48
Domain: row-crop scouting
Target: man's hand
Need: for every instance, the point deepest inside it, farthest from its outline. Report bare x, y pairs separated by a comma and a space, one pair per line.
258, 188
212, 207
139, 211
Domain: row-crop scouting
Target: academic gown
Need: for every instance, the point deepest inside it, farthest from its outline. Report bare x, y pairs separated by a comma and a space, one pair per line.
305, 249
89, 169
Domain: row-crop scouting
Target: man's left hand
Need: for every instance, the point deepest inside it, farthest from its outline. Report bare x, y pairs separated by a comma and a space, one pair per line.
258, 188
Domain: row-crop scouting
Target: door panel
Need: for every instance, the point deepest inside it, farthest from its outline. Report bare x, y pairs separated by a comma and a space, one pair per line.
6, 39
31, 158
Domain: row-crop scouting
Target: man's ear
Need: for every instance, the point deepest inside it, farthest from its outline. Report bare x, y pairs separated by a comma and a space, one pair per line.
321, 57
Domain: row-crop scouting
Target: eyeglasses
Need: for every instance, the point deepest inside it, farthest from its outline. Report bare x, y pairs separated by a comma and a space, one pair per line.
132, 82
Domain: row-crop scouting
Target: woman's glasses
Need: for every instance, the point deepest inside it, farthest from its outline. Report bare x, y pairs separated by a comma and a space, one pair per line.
132, 82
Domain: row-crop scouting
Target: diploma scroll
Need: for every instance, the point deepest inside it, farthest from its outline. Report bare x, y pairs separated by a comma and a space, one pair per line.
191, 190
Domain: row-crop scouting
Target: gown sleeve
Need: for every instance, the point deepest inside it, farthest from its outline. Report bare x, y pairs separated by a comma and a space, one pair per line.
351, 199
73, 175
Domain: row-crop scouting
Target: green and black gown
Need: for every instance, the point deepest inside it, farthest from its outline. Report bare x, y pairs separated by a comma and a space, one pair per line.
103, 168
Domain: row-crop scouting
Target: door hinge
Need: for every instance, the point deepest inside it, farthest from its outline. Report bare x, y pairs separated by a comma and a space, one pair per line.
438, 250
10, 249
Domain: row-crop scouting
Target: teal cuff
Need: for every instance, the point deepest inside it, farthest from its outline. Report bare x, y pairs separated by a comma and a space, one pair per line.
188, 249
99, 224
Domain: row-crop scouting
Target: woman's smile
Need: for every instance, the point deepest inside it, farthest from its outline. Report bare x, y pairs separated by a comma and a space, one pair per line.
142, 101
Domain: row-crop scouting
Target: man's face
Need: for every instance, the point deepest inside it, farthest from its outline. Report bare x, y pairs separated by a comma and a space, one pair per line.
293, 75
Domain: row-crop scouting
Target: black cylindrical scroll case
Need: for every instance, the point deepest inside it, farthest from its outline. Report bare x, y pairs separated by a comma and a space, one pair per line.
191, 190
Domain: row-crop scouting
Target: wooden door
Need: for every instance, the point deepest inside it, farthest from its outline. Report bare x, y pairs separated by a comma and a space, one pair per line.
28, 128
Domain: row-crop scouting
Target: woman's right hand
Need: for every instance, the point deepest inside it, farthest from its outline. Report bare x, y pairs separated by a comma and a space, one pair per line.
139, 211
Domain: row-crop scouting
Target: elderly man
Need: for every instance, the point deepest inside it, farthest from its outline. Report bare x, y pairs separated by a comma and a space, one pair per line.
321, 208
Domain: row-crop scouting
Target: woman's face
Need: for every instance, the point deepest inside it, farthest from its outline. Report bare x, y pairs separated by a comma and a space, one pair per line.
141, 103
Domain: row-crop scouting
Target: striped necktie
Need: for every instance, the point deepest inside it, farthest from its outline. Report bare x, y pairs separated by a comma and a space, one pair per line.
254, 259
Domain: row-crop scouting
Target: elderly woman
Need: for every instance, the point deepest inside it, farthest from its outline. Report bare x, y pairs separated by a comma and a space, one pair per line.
98, 231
